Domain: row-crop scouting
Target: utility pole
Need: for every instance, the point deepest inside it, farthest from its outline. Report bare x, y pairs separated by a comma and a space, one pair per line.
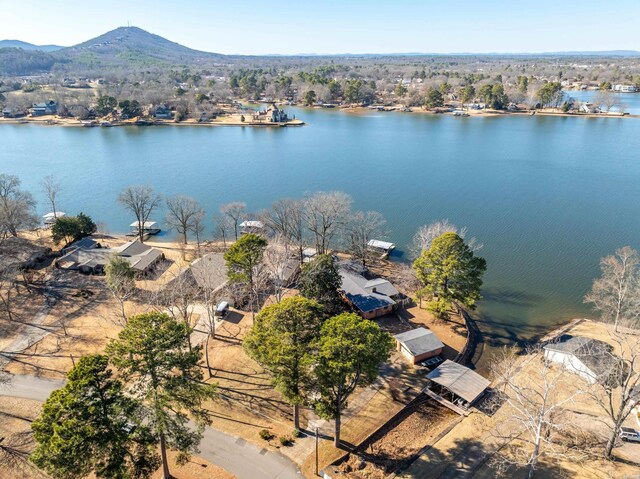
317, 452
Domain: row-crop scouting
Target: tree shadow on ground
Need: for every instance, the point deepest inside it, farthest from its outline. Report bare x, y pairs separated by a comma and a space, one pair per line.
471, 458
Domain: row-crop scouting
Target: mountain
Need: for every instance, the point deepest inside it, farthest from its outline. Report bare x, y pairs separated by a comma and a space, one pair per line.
28, 46
133, 45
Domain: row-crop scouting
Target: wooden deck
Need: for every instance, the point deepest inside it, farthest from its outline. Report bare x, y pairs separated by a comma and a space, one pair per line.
445, 403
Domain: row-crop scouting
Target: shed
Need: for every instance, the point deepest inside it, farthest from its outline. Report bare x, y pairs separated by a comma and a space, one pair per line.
459, 381
418, 344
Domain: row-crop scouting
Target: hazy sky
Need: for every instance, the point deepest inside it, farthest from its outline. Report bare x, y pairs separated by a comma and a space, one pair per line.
337, 26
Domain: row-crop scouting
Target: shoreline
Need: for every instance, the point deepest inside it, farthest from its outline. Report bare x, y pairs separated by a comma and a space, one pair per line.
357, 110
490, 113
73, 123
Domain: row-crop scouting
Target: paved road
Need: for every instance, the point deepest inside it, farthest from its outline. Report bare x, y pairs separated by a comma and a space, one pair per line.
233, 454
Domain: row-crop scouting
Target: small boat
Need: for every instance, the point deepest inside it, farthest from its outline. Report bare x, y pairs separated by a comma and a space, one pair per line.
106, 123
459, 113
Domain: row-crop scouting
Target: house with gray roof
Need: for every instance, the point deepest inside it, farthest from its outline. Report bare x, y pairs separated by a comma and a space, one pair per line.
418, 344
458, 382
589, 358
372, 298
210, 272
91, 260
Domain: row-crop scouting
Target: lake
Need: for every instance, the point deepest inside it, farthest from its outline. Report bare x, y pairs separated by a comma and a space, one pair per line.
630, 101
547, 196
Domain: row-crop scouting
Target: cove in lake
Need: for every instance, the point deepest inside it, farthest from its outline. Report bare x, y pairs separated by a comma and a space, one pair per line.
548, 196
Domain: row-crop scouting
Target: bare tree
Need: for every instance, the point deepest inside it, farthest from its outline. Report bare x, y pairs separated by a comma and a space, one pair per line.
606, 100
17, 207
360, 229
616, 294
427, 233
287, 220
326, 215
222, 226
617, 389
51, 188
8, 287
198, 230
235, 212
178, 297
277, 260
141, 201
535, 404
121, 283
182, 215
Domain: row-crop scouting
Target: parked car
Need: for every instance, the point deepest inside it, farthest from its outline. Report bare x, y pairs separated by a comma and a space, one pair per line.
431, 363
222, 309
629, 434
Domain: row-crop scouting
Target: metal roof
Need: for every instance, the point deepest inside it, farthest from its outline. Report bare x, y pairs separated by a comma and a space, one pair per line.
145, 225
596, 355
365, 300
381, 244
57, 214
252, 224
460, 380
419, 341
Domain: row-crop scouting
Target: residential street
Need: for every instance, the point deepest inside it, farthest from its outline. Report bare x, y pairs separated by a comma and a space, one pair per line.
233, 454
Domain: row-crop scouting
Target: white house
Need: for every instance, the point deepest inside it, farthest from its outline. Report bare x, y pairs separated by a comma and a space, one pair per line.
587, 357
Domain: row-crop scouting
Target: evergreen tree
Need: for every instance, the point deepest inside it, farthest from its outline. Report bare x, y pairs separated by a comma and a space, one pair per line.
152, 353
320, 281
91, 426
350, 351
281, 341
450, 272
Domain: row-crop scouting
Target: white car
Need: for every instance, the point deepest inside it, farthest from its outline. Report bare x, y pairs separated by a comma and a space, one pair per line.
629, 434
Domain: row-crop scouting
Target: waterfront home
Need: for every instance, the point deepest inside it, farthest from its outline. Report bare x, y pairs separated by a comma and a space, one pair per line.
141, 257
210, 272
284, 273
589, 358
273, 114
418, 344
42, 109
624, 88
84, 243
12, 113
458, 383
372, 298
252, 226
588, 108
163, 112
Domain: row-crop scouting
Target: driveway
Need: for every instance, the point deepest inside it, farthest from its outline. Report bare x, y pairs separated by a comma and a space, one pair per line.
231, 453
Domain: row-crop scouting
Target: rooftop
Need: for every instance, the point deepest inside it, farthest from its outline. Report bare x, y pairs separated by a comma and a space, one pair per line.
460, 380
367, 295
419, 341
596, 355
210, 271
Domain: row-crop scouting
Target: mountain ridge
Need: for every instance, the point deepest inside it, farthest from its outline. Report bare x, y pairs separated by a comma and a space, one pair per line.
29, 46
